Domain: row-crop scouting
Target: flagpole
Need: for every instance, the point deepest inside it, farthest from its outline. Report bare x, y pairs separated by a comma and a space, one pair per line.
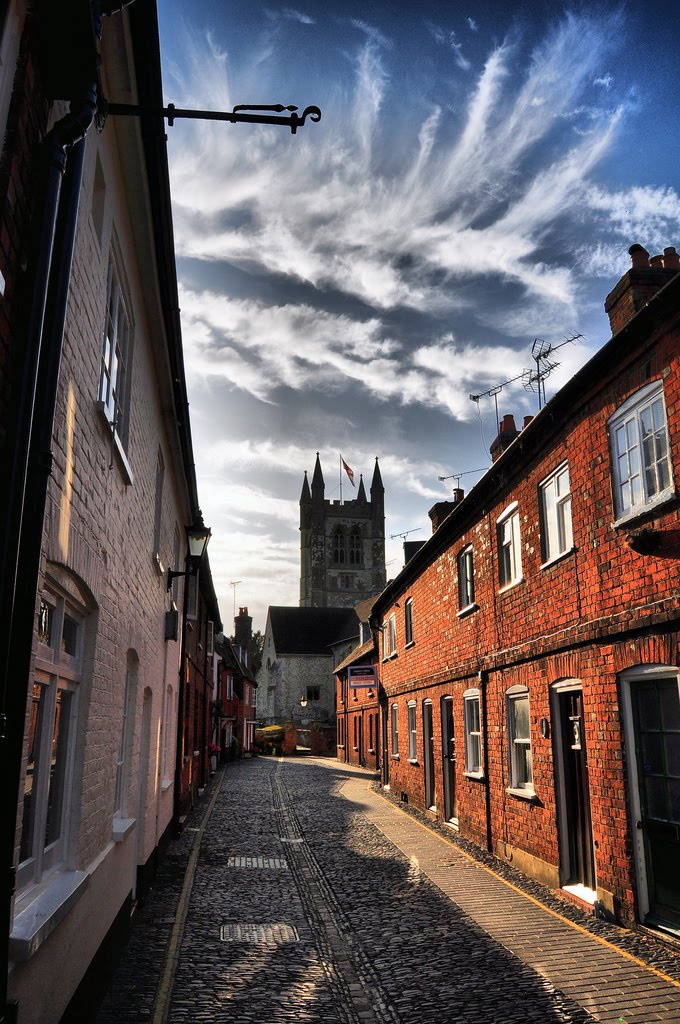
341, 478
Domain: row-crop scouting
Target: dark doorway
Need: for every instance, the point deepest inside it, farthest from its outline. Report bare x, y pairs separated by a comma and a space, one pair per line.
449, 760
578, 868
428, 753
656, 716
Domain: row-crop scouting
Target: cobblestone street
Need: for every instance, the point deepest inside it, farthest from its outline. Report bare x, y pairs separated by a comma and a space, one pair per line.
316, 899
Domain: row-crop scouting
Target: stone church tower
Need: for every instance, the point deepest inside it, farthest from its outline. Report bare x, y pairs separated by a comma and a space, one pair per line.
342, 544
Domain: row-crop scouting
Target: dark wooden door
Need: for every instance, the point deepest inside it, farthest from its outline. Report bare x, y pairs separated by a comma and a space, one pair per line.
448, 759
656, 712
428, 752
581, 867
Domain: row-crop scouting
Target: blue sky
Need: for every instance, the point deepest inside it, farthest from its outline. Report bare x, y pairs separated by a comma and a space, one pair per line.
475, 182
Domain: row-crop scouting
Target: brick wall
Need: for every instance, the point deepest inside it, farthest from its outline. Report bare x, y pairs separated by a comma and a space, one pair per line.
588, 615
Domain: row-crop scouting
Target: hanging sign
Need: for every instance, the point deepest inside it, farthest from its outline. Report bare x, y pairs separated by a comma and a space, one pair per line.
362, 677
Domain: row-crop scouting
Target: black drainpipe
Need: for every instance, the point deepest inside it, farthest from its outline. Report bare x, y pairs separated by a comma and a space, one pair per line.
483, 678
49, 271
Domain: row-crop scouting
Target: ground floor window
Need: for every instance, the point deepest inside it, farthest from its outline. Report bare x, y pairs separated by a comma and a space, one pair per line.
519, 739
473, 733
394, 729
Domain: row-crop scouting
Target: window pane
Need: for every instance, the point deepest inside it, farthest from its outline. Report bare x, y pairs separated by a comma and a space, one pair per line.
523, 765
652, 752
670, 707
521, 718
656, 797
69, 636
58, 767
45, 624
30, 783
672, 741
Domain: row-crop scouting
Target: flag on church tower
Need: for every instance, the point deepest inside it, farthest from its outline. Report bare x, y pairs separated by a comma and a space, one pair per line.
350, 472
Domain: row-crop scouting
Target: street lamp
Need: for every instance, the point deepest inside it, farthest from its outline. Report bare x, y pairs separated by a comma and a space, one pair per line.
198, 536
303, 702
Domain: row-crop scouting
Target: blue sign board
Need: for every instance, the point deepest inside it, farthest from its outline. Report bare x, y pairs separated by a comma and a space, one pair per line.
362, 677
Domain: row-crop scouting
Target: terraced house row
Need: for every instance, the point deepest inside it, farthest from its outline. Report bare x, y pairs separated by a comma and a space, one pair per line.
528, 651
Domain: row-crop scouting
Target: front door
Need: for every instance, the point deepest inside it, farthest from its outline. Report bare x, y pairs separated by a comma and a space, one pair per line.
428, 750
579, 868
362, 759
449, 760
656, 717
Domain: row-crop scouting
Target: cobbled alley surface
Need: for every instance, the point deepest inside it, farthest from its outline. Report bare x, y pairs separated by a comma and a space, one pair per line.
302, 909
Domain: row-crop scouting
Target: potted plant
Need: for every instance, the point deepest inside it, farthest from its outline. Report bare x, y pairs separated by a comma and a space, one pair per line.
214, 751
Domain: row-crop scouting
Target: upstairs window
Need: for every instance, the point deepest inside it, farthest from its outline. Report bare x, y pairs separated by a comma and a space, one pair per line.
408, 621
114, 378
556, 534
339, 554
638, 435
355, 548
509, 551
389, 635
466, 579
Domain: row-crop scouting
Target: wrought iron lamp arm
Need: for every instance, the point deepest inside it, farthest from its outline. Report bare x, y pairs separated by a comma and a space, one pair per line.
239, 115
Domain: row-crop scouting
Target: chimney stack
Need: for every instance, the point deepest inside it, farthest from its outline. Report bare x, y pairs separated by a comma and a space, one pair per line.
507, 432
243, 634
637, 286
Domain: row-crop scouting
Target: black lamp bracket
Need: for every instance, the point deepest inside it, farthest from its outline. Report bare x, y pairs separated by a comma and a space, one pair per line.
241, 114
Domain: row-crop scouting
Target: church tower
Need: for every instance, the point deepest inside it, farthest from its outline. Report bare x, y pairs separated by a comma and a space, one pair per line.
342, 544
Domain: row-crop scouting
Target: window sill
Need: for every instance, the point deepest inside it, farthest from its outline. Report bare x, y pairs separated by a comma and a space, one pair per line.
122, 828
117, 446
413, 760
42, 915
668, 497
523, 794
371, 750
475, 776
341, 746
395, 757
165, 785
557, 558
510, 586
467, 610
409, 645
156, 559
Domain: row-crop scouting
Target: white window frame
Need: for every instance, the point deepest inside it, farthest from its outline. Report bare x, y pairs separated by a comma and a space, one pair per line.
509, 547
158, 510
125, 747
408, 622
641, 479
472, 719
394, 730
466, 579
389, 634
519, 765
557, 537
115, 373
412, 732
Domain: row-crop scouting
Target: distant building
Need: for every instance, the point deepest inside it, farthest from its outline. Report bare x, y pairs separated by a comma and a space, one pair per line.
301, 648
342, 544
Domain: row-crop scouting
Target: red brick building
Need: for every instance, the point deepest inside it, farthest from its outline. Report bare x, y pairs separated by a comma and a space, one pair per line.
356, 699
235, 691
529, 650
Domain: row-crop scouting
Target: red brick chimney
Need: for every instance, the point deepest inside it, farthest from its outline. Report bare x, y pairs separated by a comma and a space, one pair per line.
637, 286
507, 432
440, 511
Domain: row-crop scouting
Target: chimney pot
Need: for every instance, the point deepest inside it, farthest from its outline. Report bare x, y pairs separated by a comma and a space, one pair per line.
507, 432
458, 495
639, 256
527, 421
656, 262
671, 260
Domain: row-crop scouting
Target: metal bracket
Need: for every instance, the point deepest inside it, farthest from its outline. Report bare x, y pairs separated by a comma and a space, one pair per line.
241, 114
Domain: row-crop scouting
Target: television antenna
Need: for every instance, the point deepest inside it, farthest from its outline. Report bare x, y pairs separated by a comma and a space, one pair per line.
495, 391
542, 354
393, 536
467, 472
234, 584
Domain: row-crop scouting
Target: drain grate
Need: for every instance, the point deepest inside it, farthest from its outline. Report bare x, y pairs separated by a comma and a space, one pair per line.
268, 863
276, 933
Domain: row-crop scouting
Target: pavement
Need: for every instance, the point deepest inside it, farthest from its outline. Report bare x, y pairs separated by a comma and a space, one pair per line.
300, 892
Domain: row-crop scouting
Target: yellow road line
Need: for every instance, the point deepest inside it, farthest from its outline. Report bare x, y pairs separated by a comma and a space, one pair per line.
532, 899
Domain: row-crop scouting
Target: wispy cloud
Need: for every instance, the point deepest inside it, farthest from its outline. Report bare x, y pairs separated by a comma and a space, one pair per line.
472, 24
605, 81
